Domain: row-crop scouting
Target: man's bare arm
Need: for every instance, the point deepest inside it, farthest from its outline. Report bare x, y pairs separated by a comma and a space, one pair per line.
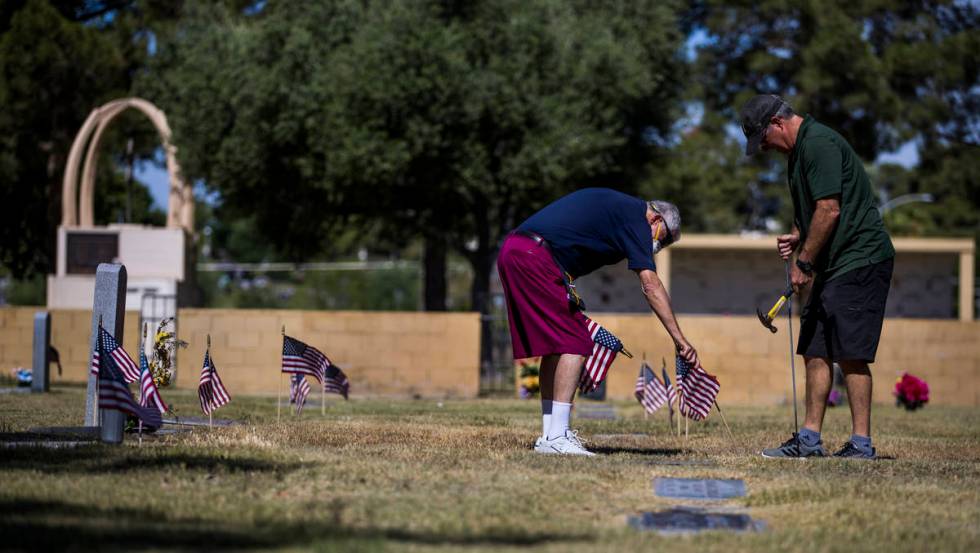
824, 221
659, 301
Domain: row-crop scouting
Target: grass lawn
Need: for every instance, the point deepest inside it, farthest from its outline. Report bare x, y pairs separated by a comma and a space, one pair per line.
460, 475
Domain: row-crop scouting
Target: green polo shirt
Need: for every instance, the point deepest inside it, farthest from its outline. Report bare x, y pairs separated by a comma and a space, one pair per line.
823, 164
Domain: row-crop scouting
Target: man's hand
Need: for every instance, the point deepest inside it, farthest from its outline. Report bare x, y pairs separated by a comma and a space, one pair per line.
688, 353
798, 278
786, 244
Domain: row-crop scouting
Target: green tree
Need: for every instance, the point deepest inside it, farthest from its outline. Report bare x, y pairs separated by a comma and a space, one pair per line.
450, 121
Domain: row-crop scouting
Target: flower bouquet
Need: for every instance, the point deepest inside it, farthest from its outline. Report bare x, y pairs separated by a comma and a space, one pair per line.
529, 380
911, 392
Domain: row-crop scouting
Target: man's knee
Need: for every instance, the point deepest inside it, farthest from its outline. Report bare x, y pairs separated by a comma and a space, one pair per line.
855, 367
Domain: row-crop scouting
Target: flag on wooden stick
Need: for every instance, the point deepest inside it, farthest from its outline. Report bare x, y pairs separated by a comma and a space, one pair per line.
113, 391
650, 391
106, 345
698, 390
335, 381
299, 358
210, 390
149, 394
299, 388
604, 351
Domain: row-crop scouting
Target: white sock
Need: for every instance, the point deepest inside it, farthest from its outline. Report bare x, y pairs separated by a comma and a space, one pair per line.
559, 419
545, 416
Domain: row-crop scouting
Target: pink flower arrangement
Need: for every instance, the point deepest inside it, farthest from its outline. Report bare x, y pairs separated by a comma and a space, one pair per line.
911, 392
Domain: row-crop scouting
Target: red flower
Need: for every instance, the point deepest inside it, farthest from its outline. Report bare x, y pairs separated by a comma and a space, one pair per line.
911, 392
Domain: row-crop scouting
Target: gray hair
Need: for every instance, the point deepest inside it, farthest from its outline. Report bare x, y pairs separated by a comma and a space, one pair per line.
671, 215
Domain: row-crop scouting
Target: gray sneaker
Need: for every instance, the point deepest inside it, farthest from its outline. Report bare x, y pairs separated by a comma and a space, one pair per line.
794, 448
851, 451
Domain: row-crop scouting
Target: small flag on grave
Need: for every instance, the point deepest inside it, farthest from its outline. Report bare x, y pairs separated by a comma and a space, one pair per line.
299, 358
698, 390
113, 391
106, 345
210, 390
299, 388
335, 381
650, 391
149, 394
604, 352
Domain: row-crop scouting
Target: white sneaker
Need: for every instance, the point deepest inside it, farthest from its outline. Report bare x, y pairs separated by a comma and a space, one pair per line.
569, 444
541, 445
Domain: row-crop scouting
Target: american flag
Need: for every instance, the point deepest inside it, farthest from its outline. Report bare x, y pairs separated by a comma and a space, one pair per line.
114, 392
650, 391
335, 380
299, 388
604, 351
210, 390
698, 390
107, 345
149, 395
299, 358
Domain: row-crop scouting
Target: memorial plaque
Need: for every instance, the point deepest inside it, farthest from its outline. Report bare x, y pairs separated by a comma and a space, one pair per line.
598, 412
688, 520
85, 250
697, 488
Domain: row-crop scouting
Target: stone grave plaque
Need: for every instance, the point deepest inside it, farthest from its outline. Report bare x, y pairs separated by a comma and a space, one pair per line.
697, 488
601, 411
688, 520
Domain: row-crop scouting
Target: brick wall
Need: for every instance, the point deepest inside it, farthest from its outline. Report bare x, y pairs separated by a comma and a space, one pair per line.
382, 353
70, 335
753, 364
437, 354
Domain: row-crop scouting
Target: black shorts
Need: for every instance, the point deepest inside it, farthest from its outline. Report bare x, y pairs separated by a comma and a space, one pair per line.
842, 320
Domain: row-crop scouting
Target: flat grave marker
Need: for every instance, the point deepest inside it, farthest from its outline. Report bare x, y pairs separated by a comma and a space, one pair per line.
687, 520
596, 412
698, 488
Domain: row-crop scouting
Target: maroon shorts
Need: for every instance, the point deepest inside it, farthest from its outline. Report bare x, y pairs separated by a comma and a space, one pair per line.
542, 321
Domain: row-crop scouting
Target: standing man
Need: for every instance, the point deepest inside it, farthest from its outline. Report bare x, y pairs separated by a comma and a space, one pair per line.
843, 254
567, 239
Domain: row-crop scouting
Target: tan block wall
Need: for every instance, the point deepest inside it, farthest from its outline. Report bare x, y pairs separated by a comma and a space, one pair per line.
403, 354
437, 354
753, 365
71, 331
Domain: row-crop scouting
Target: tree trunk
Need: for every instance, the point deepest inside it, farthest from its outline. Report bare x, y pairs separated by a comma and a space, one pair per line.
434, 269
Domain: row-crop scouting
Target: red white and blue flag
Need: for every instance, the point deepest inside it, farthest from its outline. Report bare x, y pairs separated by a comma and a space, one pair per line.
650, 391
604, 352
299, 388
698, 390
106, 345
149, 394
299, 358
114, 393
210, 390
335, 381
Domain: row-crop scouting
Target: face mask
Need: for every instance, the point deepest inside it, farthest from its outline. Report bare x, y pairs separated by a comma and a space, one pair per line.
656, 247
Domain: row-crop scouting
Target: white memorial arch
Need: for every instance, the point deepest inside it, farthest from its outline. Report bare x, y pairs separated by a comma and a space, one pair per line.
156, 258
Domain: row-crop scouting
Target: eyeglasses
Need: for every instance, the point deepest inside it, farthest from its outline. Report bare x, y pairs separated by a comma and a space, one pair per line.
669, 239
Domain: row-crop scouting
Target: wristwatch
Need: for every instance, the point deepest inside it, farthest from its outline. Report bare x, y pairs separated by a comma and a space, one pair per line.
805, 266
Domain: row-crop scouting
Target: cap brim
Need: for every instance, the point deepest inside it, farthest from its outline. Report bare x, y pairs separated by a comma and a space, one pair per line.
752, 144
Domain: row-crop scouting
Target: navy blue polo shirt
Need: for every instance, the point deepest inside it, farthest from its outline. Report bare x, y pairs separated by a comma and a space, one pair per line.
594, 227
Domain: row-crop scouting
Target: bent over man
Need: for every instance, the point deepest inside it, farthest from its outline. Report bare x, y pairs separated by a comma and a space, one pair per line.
569, 238
844, 256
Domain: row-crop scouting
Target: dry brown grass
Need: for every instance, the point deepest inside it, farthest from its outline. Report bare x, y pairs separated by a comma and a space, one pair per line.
427, 475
